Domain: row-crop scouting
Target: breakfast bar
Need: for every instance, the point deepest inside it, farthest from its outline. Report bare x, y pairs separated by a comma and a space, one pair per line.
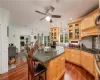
51, 59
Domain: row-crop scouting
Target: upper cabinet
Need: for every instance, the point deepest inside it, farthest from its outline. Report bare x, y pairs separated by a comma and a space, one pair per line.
83, 27
54, 33
88, 26
74, 30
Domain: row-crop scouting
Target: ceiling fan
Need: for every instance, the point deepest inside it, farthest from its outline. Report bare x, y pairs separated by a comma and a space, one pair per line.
48, 16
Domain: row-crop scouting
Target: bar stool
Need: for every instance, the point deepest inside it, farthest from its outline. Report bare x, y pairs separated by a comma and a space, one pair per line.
34, 70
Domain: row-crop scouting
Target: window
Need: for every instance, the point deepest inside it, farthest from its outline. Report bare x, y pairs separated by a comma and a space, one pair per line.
61, 38
46, 40
66, 38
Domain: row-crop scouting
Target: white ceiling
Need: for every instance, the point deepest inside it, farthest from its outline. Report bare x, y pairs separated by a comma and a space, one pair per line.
23, 11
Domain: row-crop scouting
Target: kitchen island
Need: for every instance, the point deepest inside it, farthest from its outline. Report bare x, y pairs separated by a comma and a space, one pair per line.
54, 61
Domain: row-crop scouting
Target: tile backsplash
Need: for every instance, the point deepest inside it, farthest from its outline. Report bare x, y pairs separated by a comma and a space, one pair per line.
87, 41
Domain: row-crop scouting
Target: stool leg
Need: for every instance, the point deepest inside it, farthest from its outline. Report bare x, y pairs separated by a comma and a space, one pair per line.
45, 75
39, 78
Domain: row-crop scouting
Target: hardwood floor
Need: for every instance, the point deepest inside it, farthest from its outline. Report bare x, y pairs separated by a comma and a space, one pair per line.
73, 72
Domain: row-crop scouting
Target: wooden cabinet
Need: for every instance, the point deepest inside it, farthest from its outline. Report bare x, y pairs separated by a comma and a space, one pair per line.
89, 20
62, 63
74, 30
90, 62
88, 26
82, 58
75, 56
68, 55
56, 68
54, 33
83, 27
87, 61
51, 74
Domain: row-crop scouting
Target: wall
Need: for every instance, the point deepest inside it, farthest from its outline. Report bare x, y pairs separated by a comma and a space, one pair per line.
87, 41
16, 31
4, 22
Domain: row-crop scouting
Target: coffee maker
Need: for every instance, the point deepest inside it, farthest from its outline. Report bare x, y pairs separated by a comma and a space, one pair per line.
53, 44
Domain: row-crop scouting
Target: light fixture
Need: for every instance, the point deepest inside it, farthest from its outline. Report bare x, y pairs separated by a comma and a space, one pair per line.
70, 19
48, 18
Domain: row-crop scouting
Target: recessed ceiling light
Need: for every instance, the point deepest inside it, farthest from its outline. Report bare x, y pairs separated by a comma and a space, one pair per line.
70, 18
48, 18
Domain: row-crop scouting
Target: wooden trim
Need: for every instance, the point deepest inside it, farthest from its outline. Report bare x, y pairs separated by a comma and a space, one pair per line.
58, 78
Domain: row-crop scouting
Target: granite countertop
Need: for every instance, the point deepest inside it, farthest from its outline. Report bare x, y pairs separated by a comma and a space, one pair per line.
43, 56
92, 51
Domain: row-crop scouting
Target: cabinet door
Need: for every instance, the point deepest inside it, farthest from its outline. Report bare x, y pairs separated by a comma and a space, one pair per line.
62, 66
75, 56
87, 61
68, 55
83, 60
51, 71
90, 63
58, 66
83, 23
91, 21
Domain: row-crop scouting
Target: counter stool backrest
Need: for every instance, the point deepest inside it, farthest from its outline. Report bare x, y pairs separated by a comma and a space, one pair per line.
30, 64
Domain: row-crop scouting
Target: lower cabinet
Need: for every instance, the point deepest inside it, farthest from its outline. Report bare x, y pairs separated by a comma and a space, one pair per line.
68, 54
82, 58
73, 56
62, 63
56, 68
51, 71
87, 62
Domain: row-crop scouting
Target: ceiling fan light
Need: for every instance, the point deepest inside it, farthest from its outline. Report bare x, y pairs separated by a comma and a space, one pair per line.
48, 18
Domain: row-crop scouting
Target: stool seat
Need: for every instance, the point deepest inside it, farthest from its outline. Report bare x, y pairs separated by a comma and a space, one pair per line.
38, 69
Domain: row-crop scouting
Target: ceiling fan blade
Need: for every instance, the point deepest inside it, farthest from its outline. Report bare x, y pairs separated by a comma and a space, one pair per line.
50, 8
42, 18
40, 12
56, 16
